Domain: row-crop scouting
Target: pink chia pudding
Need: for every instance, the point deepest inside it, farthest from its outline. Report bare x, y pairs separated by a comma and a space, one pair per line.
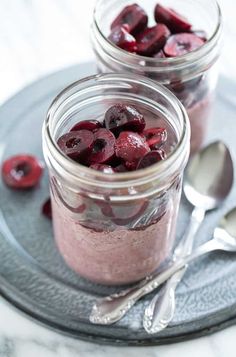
116, 256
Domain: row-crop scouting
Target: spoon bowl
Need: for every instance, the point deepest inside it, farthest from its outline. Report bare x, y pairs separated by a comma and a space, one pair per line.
209, 177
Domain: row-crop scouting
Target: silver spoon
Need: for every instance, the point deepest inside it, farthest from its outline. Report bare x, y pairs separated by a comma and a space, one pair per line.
208, 181
111, 309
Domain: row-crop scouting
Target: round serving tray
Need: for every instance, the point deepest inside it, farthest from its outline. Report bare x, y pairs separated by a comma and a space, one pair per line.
34, 277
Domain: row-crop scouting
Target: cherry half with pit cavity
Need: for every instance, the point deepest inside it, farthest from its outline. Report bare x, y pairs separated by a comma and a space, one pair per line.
22, 171
121, 37
174, 21
152, 40
90, 125
182, 43
103, 149
124, 117
134, 16
77, 144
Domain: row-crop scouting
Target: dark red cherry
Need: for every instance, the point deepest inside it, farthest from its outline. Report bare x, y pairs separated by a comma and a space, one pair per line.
124, 117
134, 16
106, 169
123, 39
150, 158
77, 144
174, 21
22, 171
90, 125
47, 209
182, 43
156, 137
159, 54
131, 147
103, 147
152, 40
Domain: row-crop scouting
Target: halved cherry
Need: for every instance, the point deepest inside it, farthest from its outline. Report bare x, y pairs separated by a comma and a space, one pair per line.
22, 171
77, 144
182, 43
127, 117
134, 16
156, 137
103, 148
121, 37
131, 146
150, 158
152, 40
90, 125
106, 169
47, 209
174, 21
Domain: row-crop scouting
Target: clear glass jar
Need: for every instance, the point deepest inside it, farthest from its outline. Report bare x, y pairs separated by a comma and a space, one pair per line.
115, 228
192, 77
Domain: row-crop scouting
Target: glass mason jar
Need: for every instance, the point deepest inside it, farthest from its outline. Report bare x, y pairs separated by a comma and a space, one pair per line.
192, 77
115, 228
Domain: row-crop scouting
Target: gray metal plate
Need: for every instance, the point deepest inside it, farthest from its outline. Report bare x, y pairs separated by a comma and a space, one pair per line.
33, 276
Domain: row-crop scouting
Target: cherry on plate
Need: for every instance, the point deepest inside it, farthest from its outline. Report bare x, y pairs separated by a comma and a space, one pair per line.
150, 158
103, 148
22, 171
106, 169
132, 15
47, 209
155, 137
127, 117
90, 125
182, 43
123, 39
77, 144
131, 146
152, 40
174, 21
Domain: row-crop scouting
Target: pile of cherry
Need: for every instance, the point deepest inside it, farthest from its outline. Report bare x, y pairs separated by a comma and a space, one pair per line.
172, 36
118, 144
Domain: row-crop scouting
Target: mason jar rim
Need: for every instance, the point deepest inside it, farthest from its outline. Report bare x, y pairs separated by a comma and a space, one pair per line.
162, 64
75, 170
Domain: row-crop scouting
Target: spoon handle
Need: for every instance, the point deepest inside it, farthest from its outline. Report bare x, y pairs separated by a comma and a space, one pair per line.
160, 311
112, 308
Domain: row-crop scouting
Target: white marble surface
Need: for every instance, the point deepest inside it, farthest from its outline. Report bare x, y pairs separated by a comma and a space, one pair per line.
38, 37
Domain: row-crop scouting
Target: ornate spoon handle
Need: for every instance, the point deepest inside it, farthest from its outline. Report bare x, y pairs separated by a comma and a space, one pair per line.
112, 308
